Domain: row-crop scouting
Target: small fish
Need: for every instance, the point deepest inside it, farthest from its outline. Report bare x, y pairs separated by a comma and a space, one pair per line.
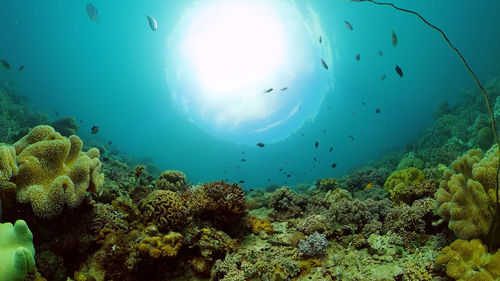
93, 13
251, 189
369, 185
152, 23
241, 181
399, 71
324, 130
81, 121
268, 180
5, 64
56, 113
334, 165
363, 103
268, 90
110, 142
315, 159
358, 57
288, 175
105, 159
95, 130
301, 134
331, 148
243, 152
394, 39
351, 137
316, 144
377, 110
320, 39
348, 25
329, 106
260, 144
324, 64
20, 68
281, 170
380, 53
382, 78
243, 160
284, 89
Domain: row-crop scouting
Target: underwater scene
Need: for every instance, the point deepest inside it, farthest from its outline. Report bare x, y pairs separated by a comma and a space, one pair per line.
245, 140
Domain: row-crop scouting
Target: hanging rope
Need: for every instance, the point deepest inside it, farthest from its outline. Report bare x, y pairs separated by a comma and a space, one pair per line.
496, 218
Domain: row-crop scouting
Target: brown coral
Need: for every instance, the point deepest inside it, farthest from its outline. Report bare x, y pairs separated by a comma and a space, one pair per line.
165, 246
165, 209
53, 172
218, 202
171, 180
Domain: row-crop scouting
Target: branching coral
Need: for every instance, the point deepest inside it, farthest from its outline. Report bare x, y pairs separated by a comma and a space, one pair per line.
171, 180
165, 209
466, 196
286, 204
53, 172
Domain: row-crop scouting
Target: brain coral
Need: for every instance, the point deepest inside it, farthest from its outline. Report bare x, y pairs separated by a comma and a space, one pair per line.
171, 180
466, 197
54, 172
165, 209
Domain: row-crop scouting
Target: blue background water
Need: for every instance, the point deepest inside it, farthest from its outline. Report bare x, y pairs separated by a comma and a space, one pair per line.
113, 75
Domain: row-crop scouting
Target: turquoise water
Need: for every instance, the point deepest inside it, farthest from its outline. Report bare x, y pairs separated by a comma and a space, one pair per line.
113, 75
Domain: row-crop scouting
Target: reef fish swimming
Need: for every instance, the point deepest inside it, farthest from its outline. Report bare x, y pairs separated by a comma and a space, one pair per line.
399, 71
95, 130
394, 39
348, 25
320, 39
5, 64
92, 13
268, 90
21, 68
358, 57
152, 23
324, 64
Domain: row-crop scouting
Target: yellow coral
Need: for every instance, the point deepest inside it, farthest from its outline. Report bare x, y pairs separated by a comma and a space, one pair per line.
466, 260
261, 224
408, 176
165, 209
54, 172
157, 246
466, 196
8, 166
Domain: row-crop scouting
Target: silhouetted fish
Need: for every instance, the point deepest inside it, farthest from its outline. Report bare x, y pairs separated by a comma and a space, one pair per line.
260, 144
152, 23
382, 78
320, 39
380, 53
93, 13
394, 39
334, 165
288, 175
243, 160
284, 89
363, 103
242, 181
105, 159
377, 110
110, 142
95, 130
358, 57
56, 113
20, 68
331, 148
351, 137
324, 64
348, 25
399, 71
268, 90
316, 144
5, 64
315, 159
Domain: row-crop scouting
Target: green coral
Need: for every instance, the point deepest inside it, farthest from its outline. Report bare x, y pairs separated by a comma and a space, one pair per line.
409, 176
326, 184
17, 254
171, 180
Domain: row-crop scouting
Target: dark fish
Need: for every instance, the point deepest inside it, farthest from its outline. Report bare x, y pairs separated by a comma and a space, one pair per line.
315, 158
95, 130
324, 64
358, 57
243, 160
320, 39
243, 152
251, 189
382, 78
105, 159
348, 25
81, 121
93, 13
316, 144
302, 134
242, 181
284, 89
380, 53
394, 39
377, 110
5, 64
110, 142
268, 179
324, 130
288, 175
351, 137
21, 68
56, 113
363, 103
399, 71
268, 90
334, 165
329, 106
260, 144
331, 148
281, 170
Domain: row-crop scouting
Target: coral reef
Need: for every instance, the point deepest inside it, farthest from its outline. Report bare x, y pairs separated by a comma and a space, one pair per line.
66, 126
165, 209
407, 176
171, 180
16, 251
313, 245
53, 172
161, 246
285, 204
